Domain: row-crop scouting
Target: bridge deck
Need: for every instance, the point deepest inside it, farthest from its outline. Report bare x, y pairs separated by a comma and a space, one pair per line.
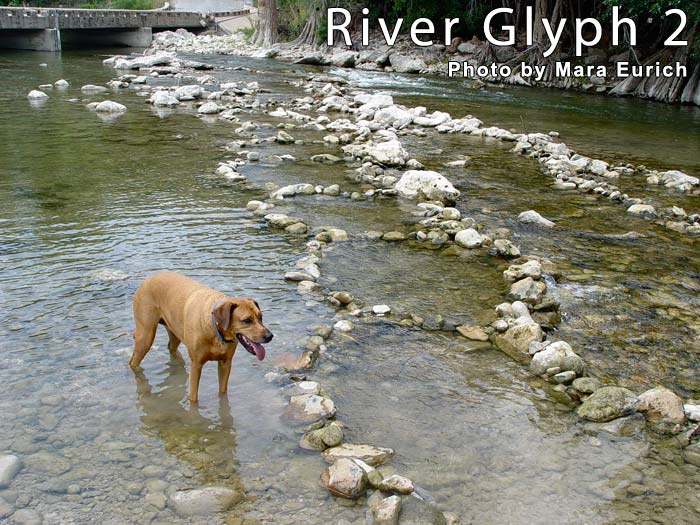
38, 18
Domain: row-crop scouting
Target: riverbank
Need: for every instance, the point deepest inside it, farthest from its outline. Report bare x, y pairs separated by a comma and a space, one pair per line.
600, 72
385, 371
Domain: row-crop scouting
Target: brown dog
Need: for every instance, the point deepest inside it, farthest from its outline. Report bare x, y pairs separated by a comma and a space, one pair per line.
209, 323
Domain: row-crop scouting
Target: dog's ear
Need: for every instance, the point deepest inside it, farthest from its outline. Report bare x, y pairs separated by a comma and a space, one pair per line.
223, 314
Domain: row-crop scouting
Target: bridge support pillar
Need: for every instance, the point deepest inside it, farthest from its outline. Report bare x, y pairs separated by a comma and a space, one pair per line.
31, 39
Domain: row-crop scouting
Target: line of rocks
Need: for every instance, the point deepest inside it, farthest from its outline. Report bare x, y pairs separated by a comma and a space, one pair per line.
377, 113
352, 469
515, 332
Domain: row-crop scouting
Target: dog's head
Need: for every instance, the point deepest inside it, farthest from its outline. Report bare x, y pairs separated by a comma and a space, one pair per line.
240, 317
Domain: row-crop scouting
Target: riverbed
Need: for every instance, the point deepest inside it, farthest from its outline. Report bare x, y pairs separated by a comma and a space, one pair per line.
89, 208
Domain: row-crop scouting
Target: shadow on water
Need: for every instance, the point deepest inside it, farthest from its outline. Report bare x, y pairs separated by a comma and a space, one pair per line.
206, 444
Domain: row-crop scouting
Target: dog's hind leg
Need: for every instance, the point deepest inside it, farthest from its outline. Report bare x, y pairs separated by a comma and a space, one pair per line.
173, 343
146, 319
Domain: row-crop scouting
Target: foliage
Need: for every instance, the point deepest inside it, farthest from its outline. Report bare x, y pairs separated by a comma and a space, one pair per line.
247, 32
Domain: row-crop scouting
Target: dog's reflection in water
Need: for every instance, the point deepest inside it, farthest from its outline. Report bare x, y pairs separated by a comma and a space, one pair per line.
207, 445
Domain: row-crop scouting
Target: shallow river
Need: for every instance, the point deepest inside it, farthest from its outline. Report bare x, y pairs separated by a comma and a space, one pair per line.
89, 208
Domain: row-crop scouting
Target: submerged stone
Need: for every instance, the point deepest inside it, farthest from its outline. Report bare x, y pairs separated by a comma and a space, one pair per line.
608, 403
208, 500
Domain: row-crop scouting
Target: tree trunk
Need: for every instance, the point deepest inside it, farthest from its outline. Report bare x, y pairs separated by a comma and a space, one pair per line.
541, 9
266, 30
691, 93
309, 35
662, 88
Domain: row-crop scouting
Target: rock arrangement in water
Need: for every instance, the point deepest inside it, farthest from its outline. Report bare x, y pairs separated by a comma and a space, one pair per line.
368, 127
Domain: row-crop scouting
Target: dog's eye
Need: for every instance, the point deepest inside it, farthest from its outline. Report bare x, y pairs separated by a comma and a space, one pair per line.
247, 321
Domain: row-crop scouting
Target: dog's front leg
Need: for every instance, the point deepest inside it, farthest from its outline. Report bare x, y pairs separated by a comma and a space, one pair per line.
195, 374
224, 373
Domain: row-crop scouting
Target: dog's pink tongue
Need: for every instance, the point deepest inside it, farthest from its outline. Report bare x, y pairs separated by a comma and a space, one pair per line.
259, 351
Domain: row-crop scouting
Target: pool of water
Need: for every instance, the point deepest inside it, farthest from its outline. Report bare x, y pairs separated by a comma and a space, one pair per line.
89, 208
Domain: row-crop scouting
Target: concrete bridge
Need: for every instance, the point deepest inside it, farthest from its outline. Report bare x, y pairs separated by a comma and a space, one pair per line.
48, 29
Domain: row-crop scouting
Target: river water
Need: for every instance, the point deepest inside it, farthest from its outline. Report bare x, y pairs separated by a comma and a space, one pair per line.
89, 208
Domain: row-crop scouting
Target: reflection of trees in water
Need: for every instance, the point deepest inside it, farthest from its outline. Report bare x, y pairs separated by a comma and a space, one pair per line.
207, 445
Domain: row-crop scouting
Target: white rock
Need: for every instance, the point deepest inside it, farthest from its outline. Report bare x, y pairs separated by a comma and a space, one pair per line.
469, 238
532, 217
209, 108
189, 92
35, 94
393, 116
309, 408
429, 185
369, 454
692, 412
107, 106
10, 465
61, 84
642, 210
91, 89
598, 167
556, 355
343, 326
381, 309
678, 180
162, 99
373, 101
389, 153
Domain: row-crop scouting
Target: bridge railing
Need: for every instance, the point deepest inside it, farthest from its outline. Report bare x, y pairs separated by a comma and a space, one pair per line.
63, 18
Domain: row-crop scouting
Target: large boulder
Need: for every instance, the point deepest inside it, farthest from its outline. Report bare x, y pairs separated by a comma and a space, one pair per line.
344, 59
661, 405
345, 478
430, 185
608, 403
556, 355
406, 64
208, 500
